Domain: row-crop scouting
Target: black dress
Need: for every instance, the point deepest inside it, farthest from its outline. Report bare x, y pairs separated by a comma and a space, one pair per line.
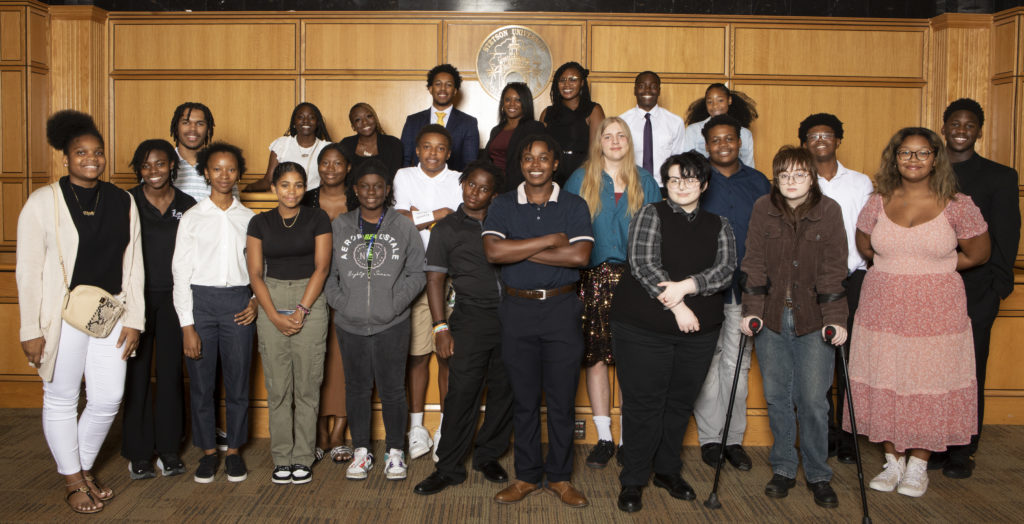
513, 168
570, 129
389, 151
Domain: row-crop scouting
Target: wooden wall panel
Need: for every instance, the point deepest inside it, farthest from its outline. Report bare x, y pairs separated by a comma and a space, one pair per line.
249, 113
391, 99
12, 35
830, 52
38, 39
214, 47
616, 96
1004, 47
1005, 347
950, 76
12, 360
565, 40
870, 116
355, 44
38, 109
12, 196
666, 49
12, 121
1000, 122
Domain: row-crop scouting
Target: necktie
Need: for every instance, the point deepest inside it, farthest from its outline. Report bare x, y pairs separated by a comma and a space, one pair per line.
648, 162
440, 117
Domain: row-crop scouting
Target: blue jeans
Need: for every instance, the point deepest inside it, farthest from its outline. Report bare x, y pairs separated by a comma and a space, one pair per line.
797, 370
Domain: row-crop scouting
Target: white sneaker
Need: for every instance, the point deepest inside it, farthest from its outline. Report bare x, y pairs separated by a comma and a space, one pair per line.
890, 477
419, 442
396, 469
437, 444
915, 479
362, 463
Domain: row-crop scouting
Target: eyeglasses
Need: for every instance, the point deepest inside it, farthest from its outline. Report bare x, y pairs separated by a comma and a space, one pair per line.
688, 182
922, 155
569, 80
796, 177
820, 136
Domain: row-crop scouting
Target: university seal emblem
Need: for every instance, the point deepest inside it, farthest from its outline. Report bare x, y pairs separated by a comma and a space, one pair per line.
513, 54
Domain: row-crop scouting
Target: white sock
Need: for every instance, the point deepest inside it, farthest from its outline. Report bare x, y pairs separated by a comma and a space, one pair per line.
621, 426
439, 421
604, 427
415, 419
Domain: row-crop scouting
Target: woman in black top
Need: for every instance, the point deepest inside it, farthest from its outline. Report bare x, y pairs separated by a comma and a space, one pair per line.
146, 430
370, 141
515, 122
288, 253
666, 316
572, 118
78, 231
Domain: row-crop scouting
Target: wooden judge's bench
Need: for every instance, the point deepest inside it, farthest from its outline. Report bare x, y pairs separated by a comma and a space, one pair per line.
130, 70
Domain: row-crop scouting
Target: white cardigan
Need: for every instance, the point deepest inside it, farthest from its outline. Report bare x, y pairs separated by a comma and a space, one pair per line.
40, 282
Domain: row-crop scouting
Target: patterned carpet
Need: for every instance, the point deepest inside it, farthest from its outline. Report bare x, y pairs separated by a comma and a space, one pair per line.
31, 491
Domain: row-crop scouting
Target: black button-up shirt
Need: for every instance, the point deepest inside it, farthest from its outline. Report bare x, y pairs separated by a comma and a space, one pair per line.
158, 234
457, 249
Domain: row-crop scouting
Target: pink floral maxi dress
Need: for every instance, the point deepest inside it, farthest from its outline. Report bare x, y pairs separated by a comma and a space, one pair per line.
912, 356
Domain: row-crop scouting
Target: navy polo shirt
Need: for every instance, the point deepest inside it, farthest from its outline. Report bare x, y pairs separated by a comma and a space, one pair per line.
733, 197
512, 217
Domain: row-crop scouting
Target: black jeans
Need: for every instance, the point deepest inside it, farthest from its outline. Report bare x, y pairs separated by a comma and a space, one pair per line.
542, 344
142, 433
476, 363
661, 376
982, 308
376, 358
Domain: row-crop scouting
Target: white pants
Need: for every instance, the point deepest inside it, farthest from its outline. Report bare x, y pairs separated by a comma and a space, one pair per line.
75, 441
709, 411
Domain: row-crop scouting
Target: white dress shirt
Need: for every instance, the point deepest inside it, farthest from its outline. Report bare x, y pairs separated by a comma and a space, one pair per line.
414, 188
667, 130
851, 189
693, 140
447, 114
209, 250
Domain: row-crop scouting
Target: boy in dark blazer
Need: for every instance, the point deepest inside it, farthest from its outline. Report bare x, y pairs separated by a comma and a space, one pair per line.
443, 83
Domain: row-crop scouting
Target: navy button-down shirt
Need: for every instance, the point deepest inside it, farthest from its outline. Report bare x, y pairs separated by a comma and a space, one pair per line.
733, 197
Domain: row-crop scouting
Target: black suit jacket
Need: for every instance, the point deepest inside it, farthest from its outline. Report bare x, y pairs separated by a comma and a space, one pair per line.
993, 187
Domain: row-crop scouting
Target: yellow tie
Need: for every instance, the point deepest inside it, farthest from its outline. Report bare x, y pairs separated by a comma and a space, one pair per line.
440, 117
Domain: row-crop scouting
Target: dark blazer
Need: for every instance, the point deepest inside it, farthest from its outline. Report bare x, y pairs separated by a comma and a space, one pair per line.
513, 168
389, 151
462, 127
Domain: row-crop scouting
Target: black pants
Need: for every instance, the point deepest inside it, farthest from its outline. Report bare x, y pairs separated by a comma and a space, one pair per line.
542, 344
476, 333
142, 432
379, 358
835, 414
982, 308
661, 376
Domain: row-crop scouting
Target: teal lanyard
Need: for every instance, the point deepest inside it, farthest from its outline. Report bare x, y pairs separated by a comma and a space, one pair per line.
372, 238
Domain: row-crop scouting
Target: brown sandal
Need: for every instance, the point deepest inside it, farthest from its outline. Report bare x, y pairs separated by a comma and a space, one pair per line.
340, 454
103, 493
85, 490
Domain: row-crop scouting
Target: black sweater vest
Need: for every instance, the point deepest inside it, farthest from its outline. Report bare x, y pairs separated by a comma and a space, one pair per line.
687, 248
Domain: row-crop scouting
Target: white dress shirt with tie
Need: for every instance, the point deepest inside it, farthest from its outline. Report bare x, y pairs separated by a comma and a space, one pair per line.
667, 130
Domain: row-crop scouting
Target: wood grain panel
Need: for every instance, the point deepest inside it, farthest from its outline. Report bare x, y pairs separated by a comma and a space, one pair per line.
1000, 122
617, 97
690, 50
1004, 47
12, 196
8, 287
249, 113
38, 39
564, 41
951, 77
12, 121
1004, 370
391, 99
829, 52
12, 360
268, 46
870, 116
1018, 131
394, 45
12, 35
38, 109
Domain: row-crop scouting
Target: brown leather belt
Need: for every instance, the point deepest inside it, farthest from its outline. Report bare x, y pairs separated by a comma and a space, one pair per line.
540, 294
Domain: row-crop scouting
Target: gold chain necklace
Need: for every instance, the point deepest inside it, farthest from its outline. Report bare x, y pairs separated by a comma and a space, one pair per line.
294, 219
79, 202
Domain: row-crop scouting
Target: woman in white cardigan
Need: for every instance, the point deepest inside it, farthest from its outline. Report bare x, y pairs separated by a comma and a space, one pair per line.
96, 226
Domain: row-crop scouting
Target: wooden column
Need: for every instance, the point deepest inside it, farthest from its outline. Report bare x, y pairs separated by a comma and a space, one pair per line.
1005, 123
959, 68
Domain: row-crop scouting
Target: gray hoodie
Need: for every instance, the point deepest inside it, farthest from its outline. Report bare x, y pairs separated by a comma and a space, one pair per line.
368, 303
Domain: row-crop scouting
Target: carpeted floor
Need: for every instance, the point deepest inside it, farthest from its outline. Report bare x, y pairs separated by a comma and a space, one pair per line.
31, 491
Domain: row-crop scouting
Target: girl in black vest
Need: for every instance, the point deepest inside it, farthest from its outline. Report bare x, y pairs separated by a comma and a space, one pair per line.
666, 316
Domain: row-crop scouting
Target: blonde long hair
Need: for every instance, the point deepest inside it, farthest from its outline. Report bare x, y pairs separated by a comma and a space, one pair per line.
590, 190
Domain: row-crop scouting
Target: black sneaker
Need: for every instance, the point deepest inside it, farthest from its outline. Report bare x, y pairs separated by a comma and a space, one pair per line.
140, 469
301, 474
207, 469
235, 468
170, 465
603, 451
222, 440
281, 475
824, 496
778, 487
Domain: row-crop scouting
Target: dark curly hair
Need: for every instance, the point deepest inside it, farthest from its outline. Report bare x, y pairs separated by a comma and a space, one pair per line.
63, 127
372, 166
820, 119
743, 108
720, 120
203, 158
321, 126
964, 104
444, 68
497, 175
148, 146
556, 97
183, 111
691, 165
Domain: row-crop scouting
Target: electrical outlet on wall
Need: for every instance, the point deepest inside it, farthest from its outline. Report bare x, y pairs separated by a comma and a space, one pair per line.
579, 432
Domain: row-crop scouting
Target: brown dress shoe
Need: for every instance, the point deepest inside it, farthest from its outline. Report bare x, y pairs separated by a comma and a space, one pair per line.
569, 495
514, 493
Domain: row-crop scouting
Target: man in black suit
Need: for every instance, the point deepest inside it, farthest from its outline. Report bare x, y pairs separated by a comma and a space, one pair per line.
443, 83
993, 187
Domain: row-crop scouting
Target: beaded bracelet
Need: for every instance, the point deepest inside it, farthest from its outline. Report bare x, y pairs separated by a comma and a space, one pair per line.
303, 309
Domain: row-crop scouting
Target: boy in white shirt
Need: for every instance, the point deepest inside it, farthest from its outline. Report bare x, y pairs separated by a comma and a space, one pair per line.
426, 193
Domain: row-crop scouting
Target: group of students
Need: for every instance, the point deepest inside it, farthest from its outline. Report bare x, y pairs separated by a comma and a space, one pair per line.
568, 242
